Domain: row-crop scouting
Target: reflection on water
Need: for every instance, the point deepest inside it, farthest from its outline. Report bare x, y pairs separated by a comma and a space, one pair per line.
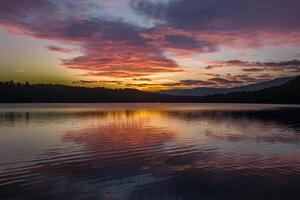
149, 151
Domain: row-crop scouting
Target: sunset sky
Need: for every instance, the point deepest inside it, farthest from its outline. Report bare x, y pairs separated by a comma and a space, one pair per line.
149, 44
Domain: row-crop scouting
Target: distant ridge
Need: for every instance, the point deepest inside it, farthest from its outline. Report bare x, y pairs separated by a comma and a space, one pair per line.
287, 93
202, 91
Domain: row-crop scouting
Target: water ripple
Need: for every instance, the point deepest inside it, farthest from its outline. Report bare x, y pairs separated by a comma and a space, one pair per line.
151, 153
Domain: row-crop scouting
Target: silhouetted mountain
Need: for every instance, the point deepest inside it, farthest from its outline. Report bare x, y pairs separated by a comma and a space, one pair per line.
288, 93
202, 91
45, 93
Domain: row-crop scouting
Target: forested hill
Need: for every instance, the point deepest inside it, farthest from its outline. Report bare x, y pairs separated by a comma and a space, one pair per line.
288, 93
46, 93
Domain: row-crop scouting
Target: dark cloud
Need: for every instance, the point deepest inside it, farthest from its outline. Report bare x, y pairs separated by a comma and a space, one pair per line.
264, 76
184, 42
224, 81
194, 82
290, 66
141, 85
59, 49
95, 82
22, 11
142, 79
253, 69
181, 83
223, 15
190, 82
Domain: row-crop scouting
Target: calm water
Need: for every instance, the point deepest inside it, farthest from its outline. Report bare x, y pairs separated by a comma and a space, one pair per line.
149, 151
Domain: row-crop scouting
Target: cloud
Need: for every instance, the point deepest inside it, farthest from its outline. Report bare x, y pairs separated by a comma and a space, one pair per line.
194, 82
253, 69
189, 43
289, 66
224, 81
59, 49
179, 84
96, 82
227, 24
223, 15
19, 11
142, 79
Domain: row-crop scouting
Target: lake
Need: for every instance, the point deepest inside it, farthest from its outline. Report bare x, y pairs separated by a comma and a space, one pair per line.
149, 151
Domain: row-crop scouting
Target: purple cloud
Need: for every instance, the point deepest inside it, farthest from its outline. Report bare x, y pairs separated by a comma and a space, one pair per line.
223, 15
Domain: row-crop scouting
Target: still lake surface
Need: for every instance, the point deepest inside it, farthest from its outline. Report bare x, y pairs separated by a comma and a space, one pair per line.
149, 151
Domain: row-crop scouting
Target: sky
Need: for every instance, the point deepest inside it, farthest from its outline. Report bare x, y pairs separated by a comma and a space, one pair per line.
149, 44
